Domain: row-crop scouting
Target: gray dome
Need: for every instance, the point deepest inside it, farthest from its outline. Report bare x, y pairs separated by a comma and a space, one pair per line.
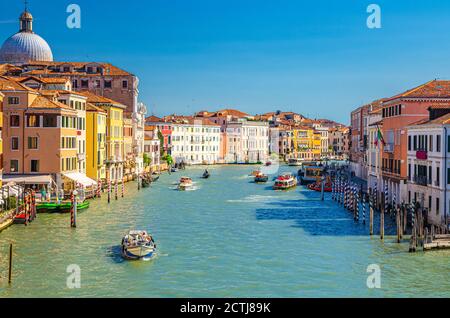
23, 47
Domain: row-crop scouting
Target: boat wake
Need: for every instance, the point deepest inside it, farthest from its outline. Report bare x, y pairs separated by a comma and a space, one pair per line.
255, 198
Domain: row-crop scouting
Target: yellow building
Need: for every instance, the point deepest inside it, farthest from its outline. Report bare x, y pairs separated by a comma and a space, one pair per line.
114, 134
95, 142
306, 143
1, 139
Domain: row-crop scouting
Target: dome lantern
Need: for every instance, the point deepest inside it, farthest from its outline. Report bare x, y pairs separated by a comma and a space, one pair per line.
26, 22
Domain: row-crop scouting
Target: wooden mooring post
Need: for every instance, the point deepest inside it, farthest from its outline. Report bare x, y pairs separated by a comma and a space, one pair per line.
382, 211
10, 263
398, 218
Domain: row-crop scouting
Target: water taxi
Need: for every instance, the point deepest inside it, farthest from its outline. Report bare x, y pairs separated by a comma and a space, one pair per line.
294, 162
311, 173
285, 182
185, 184
137, 245
261, 178
317, 186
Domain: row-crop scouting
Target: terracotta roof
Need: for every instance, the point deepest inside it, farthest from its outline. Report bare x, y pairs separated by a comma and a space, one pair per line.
109, 69
43, 102
184, 120
92, 108
5, 68
153, 119
229, 112
431, 89
97, 99
7, 84
46, 80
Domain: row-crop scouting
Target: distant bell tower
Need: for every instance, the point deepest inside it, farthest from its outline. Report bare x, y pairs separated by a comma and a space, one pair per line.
26, 20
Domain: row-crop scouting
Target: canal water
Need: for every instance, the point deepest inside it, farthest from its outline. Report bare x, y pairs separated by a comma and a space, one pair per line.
228, 238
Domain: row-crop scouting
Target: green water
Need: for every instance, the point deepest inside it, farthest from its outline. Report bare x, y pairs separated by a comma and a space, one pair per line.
229, 237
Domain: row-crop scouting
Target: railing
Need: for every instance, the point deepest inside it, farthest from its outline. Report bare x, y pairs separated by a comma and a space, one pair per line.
422, 180
388, 147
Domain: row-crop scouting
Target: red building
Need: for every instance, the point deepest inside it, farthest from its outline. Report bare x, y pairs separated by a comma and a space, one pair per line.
398, 112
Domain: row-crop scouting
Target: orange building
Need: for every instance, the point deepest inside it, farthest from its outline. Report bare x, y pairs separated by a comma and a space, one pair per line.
39, 136
398, 112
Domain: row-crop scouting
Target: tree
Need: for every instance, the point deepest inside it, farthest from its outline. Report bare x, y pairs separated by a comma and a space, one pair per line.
147, 160
161, 143
167, 158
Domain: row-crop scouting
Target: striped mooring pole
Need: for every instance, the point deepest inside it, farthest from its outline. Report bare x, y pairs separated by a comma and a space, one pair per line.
99, 188
73, 221
364, 207
109, 190
123, 188
358, 198
116, 189
386, 198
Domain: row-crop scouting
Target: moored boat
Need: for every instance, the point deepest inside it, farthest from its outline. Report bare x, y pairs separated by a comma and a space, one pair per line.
317, 186
310, 173
285, 182
61, 207
294, 162
185, 184
138, 245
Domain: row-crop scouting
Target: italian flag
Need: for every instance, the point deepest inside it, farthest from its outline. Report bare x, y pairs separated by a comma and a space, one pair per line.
379, 137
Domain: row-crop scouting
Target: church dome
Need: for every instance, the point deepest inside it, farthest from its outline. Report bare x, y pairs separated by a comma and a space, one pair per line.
25, 45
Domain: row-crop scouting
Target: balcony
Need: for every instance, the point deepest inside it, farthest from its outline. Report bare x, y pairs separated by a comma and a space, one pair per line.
389, 147
422, 180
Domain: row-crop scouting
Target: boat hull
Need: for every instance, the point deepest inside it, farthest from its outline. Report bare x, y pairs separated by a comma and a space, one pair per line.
261, 179
137, 252
63, 207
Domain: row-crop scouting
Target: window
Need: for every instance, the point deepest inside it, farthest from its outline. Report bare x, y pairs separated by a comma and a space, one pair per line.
438, 143
49, 121
448, 175
14, 166
107, 84
75, 83
438, 176
13, 100
32, 121
34, 166
14, 121
14, 143
409, 143
124, 84
437, 205
84, 83
431, 143
66, 69
415, 143
32, 142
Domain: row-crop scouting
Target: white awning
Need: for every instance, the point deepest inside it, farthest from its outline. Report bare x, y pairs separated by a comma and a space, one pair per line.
27, 179
80, 178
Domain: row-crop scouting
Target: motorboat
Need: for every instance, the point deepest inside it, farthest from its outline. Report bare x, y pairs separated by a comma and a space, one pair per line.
284, 182
317, 186
138, 245
261, 178
185, 184
294, 162
311, 173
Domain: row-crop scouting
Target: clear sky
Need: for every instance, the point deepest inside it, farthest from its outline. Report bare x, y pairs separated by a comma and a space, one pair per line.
317, 57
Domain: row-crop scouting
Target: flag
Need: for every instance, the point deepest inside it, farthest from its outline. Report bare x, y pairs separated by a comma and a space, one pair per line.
379, 137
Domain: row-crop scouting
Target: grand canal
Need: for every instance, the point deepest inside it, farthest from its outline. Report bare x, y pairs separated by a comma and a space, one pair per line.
229, 237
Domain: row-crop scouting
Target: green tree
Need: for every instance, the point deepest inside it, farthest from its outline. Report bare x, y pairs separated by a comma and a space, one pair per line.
161, 143
167, 158
147, 160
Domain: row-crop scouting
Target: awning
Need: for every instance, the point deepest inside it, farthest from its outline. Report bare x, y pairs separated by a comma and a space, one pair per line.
81, 178
27, 179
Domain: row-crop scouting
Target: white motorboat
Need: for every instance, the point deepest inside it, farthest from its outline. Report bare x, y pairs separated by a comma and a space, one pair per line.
137, 245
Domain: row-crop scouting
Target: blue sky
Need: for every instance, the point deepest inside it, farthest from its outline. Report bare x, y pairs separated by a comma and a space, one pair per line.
317, 58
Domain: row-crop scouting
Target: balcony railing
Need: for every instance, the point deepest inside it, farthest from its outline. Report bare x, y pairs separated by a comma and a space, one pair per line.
388, 147
422, 180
